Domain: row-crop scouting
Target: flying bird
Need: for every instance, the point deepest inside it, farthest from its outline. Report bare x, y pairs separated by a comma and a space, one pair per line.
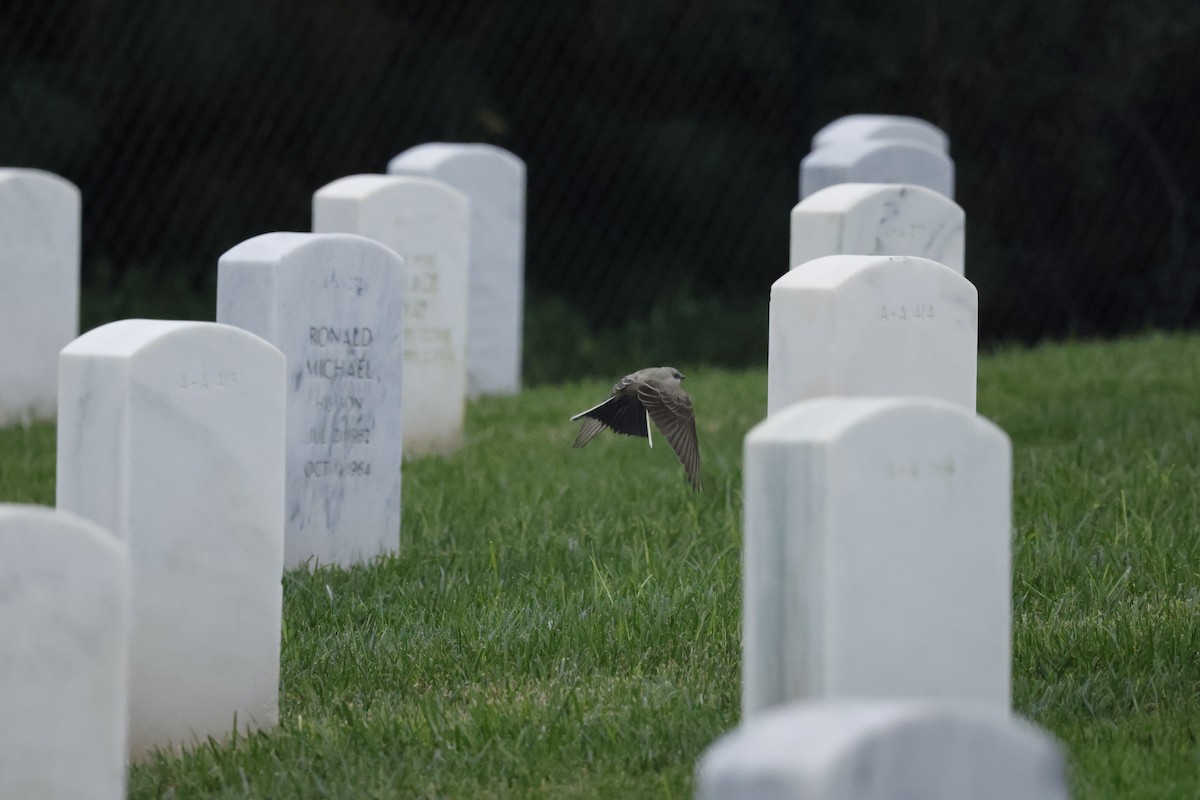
648, 394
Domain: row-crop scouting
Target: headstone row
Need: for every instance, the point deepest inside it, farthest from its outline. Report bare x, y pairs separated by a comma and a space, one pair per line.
209, 457
197, 445
458, 220
874, 302
876, 565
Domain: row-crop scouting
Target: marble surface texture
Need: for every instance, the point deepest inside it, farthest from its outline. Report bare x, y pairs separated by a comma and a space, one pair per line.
882, 126
884, 750
170, 435
334, 304
39, 288
493, 180
427, 222
872, 219
876, 555
64, 648
872, 326
877, 161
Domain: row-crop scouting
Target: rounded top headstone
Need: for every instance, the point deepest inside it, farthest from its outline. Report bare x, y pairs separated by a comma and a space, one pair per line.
869, 749
41, 213
832, 272
364, 187
433, 156
877, 161
872, 326
384, 188
878, 219
64, 613
52, 182
882, 126
841, 197
282, 245
127, 338
44, 522
827, 419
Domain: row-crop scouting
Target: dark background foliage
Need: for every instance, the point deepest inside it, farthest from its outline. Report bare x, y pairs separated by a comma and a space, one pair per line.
662, 139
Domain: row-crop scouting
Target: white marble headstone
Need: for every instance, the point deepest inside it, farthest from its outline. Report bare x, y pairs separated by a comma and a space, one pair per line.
39, 288
881, 126
877, 553
884, 750
64, 648
427, 222
334, 304
170, 435
877, 161
872, 219
871, 326
493, 180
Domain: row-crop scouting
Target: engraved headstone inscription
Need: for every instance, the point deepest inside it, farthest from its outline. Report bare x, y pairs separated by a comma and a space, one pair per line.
872, 219
333, 303
881, 126
64, 645
884, 750
876, 555
877, 161
427, 223
39, 288
170, 435
871, 326
493, 180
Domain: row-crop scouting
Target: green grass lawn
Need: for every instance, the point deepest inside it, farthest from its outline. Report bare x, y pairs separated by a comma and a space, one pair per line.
566, 623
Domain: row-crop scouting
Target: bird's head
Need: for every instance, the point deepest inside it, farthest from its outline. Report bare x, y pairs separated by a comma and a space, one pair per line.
676, 374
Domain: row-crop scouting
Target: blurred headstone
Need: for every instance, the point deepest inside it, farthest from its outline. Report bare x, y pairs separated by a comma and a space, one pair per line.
64, 647
39, 288
427, 223
493, 180
884, 750
882, 126
877, 161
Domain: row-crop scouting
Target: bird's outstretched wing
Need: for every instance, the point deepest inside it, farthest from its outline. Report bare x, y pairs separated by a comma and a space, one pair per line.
671, 410
622, 412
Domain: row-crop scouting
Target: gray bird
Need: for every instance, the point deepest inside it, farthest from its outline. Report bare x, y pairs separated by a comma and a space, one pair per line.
653, 393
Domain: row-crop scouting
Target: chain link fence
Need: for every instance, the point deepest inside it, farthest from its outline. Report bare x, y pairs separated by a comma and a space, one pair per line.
662, 137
